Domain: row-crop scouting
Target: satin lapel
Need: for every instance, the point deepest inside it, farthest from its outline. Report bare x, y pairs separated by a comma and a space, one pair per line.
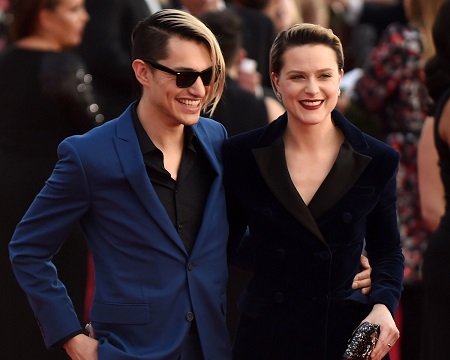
345, 171
130, 156
272, 165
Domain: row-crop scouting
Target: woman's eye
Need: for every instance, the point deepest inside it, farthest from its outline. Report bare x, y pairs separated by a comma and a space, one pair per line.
325, 76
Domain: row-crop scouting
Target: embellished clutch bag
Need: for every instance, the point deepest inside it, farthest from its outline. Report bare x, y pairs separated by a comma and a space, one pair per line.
362, 342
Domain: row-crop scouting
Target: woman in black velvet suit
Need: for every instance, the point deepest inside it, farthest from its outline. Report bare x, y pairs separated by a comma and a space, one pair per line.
313, 190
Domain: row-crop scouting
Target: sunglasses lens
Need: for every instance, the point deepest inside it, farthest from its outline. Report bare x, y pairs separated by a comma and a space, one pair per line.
188, 78
206, 76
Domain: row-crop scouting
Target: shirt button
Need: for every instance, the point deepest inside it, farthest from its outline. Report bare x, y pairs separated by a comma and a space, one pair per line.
190, 266
190, 316
180, 226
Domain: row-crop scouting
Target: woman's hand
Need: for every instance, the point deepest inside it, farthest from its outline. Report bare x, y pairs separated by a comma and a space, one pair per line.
389, 333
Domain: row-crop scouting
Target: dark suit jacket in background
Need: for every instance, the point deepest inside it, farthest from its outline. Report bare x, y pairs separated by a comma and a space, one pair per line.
380, 16
300, 304
239, 110
259, 33
106, 50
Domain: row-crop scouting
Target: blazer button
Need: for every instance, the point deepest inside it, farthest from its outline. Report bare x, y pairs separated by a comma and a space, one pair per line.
190, 266
190, 316
347, 218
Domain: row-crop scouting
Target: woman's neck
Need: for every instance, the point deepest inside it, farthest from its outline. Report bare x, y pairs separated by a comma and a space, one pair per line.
36, 42
312, 137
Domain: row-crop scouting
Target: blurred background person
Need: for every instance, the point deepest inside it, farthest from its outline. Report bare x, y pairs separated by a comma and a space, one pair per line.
258, 33
106, 50
285, 13
392, 91
5, 20
360, 23
45, 96
315, 11
238, 110
436, 264
431, 189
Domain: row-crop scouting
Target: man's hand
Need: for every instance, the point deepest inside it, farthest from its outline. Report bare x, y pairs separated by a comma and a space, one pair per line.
362, 279
82, 347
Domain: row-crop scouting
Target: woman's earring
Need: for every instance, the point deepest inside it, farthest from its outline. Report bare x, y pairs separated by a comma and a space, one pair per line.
279, 97
339, 91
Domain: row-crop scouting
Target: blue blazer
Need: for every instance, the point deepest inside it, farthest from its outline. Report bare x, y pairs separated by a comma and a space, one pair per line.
147, 287
299, 303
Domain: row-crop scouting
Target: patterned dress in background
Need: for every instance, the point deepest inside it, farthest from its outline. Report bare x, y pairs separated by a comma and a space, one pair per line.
392, 88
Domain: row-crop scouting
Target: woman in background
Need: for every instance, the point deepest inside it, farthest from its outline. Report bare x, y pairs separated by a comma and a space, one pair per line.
436, 264
45, 96
392, 89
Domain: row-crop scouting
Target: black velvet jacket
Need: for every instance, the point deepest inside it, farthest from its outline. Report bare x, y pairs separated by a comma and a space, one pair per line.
300, 304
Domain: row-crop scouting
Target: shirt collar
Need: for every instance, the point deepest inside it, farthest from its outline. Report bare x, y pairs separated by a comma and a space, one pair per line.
146, 144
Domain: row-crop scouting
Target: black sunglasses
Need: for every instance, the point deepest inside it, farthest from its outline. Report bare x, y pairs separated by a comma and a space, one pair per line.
185, 79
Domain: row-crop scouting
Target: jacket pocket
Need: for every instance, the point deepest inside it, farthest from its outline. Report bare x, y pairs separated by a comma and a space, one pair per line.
116, 313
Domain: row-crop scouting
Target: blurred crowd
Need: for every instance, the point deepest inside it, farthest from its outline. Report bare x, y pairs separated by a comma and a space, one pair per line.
384, 92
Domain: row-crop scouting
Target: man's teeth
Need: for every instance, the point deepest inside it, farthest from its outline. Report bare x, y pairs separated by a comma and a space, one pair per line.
190, 102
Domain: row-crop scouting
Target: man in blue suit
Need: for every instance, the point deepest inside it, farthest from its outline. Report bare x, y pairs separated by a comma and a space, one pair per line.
147, 190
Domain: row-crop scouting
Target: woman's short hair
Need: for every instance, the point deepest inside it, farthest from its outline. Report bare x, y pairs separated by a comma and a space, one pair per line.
299, 35
151, 36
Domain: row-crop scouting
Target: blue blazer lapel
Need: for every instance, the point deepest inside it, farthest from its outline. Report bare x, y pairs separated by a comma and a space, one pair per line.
133, 166
213, 201
207, 146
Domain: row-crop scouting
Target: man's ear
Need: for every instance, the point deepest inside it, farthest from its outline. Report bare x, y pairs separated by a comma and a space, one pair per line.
141, 72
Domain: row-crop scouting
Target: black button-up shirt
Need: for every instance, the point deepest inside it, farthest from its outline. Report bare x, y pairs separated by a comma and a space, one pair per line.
184, 199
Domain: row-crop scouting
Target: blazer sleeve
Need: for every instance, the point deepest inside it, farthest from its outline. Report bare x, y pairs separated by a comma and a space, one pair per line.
383, 243
38, 237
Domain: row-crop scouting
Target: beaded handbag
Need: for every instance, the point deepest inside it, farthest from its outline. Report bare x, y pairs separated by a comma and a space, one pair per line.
362, 342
